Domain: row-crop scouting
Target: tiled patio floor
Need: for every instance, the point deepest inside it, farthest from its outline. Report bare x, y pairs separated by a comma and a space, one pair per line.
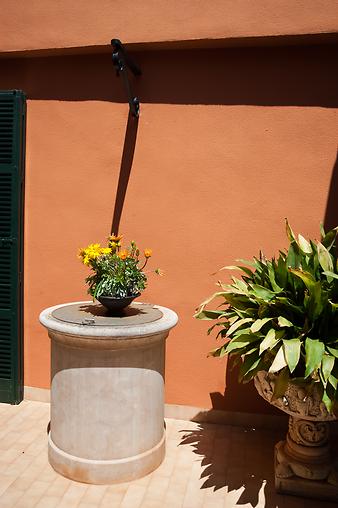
206, 466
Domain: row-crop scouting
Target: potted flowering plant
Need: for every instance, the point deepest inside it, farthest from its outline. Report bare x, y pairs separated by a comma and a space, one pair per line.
117, 276
280, 322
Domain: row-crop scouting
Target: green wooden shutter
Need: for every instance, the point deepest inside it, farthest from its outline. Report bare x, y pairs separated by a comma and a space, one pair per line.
12, 145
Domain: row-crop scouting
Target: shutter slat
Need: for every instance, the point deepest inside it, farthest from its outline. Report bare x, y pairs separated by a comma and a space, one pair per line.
12, 133
5, 348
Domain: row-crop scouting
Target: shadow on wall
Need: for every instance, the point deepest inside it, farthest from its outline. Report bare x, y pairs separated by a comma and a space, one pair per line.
125, 170
265, 76
235, 393
331, 212
240, 459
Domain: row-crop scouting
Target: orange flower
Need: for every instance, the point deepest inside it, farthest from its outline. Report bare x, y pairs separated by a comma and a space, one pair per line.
115, 238
123, 254
114, 242
81, 253
148, 253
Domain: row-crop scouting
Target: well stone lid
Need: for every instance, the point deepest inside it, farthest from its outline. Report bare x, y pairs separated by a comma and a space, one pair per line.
95, 314
91, 319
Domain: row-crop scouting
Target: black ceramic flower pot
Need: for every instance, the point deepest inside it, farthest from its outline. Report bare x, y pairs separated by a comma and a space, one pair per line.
116, 305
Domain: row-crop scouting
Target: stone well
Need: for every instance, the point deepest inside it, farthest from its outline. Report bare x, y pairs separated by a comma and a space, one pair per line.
107, 390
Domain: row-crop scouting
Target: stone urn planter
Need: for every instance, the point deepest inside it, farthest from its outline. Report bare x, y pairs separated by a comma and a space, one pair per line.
304, 463
281, 317
107, 390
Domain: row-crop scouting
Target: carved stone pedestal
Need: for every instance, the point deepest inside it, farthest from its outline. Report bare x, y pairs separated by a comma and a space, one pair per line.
304, 464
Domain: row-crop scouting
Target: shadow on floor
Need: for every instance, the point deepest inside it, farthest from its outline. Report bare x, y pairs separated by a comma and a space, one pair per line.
238, 458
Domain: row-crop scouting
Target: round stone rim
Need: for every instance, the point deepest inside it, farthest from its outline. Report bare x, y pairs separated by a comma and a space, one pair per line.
166, 322
94, 314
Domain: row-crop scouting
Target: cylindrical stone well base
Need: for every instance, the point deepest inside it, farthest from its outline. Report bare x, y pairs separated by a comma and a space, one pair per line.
107, 391
105, 471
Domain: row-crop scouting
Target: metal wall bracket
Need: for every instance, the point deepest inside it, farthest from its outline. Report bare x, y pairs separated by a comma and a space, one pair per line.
121, 62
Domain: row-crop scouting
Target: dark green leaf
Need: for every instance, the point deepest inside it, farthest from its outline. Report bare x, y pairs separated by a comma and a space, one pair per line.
208, 314
283, 322
329, 239
240, 285
258, 324
243, 268
333, 381
281, 384
316, 301
271, 340
274, 285
262, 292
220, 351
327, 366
324, 257
292, 352
333, 351
246, 262
327, 401
290, 234
241, 331
292, 259
314, 350
237, 324
306, 277
241, 342
322, 230
250, 363
331, 274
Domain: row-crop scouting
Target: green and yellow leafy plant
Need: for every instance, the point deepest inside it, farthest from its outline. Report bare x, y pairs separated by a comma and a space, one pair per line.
281, 316
116, 271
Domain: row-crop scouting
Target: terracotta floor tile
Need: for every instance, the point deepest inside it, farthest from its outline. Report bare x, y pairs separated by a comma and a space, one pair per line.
206, 466
133, 497
10, 497
32, 495
58, 487
95, 493
5, 482
48, 502
112, 499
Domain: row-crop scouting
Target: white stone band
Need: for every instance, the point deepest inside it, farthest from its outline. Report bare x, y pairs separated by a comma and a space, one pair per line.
166, 322
105, 471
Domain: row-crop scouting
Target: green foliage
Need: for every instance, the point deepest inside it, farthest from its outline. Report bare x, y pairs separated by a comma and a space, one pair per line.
115, 271
116, 277
282, 316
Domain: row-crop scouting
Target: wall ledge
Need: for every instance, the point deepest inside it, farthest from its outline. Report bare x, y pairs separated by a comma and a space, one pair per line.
229, 42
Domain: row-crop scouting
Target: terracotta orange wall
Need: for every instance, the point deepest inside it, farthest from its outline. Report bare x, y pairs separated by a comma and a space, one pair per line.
46, 24
224, 152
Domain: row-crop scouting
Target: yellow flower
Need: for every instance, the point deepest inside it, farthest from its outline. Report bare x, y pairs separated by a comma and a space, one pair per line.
93, 250
105, 250
148, 253
123, 254
86, 261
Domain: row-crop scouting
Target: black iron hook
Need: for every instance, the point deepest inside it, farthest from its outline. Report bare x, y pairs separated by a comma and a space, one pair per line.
121, 62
